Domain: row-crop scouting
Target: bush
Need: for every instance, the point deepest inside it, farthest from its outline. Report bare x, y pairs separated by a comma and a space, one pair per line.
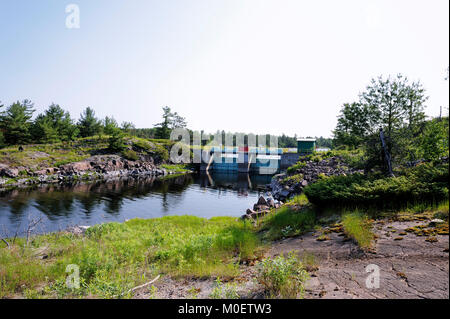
293, 169
116, 141
130, 155
283, 277
424, 182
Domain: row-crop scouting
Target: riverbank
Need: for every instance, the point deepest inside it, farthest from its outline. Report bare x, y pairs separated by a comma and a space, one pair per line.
87, 159
224, 256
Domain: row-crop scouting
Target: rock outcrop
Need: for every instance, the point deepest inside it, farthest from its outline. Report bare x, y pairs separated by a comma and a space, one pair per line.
286, 185
93, 168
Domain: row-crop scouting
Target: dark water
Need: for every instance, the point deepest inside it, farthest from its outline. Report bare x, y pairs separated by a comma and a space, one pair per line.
88, 204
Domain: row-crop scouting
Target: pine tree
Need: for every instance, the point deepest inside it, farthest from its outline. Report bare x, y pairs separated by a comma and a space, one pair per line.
15, 122
88, 124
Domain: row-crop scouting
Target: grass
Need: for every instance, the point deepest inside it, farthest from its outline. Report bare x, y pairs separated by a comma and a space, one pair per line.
115, 257
288, 221
357, 227
177, 168
283, 277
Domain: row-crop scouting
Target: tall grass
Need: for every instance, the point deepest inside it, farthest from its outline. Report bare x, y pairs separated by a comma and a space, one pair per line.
115, 257
287, 222
357, 226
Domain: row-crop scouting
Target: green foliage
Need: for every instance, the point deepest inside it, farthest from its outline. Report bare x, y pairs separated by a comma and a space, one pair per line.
293, 179
287, 222
130, 155
16, 122
115, 257
116, 141
223, 291
88, 124
110, 126
291, 170
283, 277
357, 226
434, 143
352, 126
423, 182
53, 126
392, 104
171, 120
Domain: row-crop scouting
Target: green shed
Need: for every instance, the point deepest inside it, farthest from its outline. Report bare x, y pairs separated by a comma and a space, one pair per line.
306, 145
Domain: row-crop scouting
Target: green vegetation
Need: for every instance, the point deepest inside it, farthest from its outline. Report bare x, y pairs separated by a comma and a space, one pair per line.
224, 291
177, 168
283, 277
396, 106
291, 170
288, 221
115, 257
358, 227
425, 182
130, 155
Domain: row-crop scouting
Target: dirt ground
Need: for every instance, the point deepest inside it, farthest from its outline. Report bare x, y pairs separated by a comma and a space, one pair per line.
410, 267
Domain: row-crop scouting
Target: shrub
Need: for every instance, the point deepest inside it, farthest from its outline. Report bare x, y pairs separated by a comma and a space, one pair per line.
293, 179
424, 182
291, 170
130, 155
116, 141
282, 277
221, 291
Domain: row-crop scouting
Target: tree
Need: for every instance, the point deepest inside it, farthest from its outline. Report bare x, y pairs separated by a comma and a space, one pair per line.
128, 127
177, 121
109, 125
163, 129
88, 124
116, 142
353, 125
15, 122
434, 142
54, 125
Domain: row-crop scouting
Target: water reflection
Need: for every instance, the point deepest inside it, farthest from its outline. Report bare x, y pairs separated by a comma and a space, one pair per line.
204, 195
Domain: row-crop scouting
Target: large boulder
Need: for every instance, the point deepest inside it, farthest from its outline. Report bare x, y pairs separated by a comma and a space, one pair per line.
7, 171
262, 201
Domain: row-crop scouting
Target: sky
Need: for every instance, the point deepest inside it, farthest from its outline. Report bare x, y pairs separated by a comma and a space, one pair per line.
275, 66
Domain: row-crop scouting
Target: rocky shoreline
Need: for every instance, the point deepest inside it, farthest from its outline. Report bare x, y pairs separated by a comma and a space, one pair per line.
99, 167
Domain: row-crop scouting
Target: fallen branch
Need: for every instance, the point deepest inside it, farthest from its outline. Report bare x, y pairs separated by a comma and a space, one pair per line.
144, 285
6, 242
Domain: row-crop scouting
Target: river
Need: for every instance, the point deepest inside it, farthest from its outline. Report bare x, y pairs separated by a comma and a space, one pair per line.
59, 207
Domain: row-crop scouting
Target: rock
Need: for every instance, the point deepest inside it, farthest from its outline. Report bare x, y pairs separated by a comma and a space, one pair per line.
436, 221
77, 230
250, 211
285, 193
262, 201
271, 202
257, 207
7, 171
259, 214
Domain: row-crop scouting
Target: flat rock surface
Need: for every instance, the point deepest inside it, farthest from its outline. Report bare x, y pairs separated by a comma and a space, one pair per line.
409, 268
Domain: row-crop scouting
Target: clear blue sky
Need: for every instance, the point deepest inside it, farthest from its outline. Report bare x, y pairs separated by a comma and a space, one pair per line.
239, 65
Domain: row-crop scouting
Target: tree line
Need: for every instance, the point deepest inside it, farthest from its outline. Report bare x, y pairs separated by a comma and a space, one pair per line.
56, 125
